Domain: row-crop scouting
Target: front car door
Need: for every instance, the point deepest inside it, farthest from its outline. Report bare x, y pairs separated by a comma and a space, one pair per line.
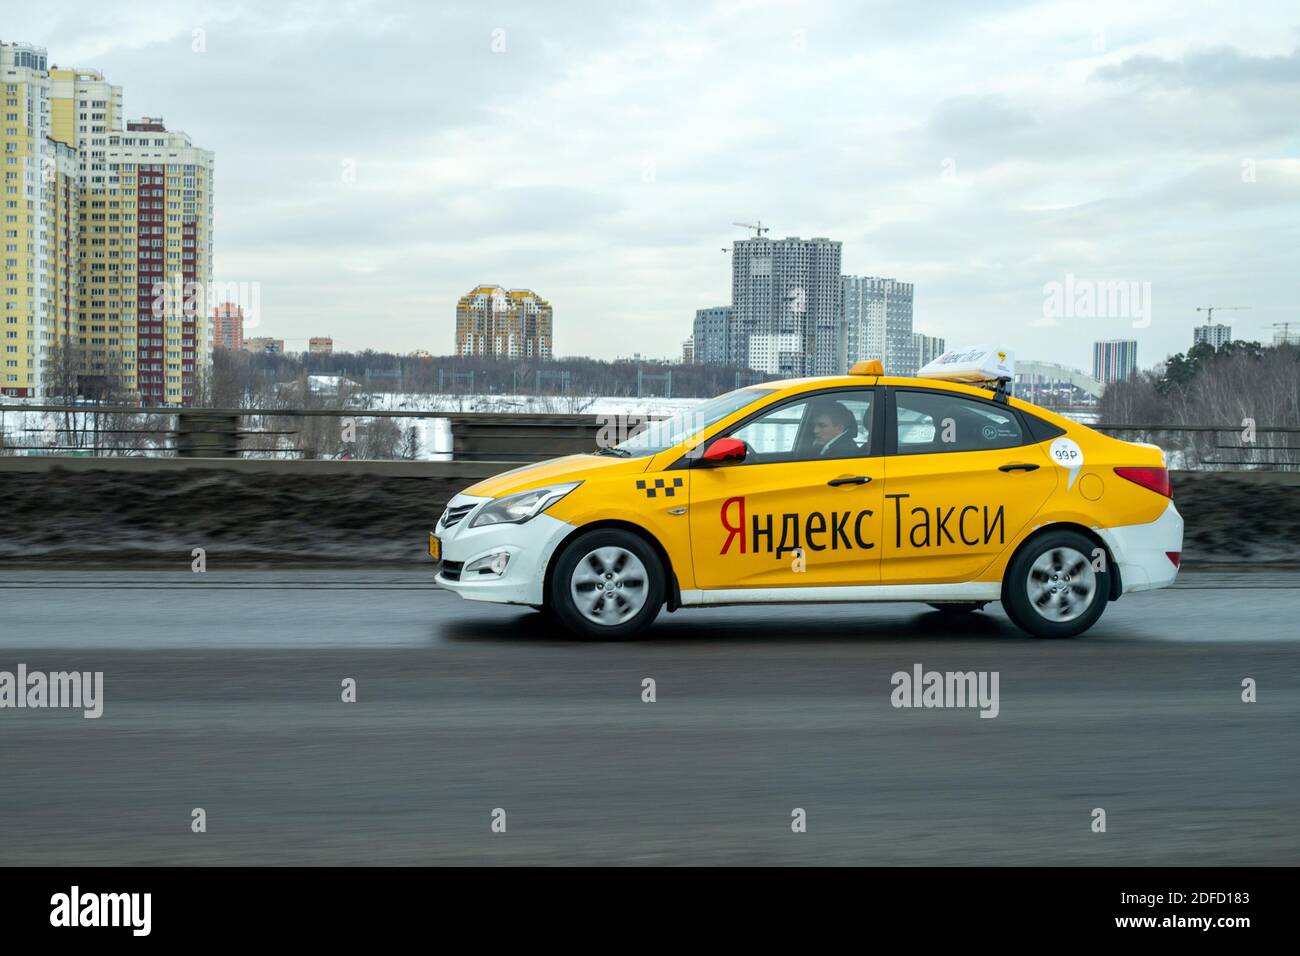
804, 507
962, 477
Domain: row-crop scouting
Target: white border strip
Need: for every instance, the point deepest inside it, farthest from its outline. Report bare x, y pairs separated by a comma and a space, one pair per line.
965, 591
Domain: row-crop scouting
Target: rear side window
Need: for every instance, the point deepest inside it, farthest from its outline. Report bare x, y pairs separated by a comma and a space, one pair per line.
1038, 429
929, 422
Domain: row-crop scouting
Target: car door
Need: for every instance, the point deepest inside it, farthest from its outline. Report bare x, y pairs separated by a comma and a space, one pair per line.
804, 506
962, 479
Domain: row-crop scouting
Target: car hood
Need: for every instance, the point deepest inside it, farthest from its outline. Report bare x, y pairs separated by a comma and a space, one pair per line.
556, 471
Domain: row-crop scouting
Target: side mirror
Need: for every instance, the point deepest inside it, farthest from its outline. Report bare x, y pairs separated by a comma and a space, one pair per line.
724, 450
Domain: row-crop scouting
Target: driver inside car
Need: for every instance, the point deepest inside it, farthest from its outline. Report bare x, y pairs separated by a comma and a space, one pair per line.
833, 429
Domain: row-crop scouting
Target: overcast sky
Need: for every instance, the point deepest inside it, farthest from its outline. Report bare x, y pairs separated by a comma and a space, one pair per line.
598, 154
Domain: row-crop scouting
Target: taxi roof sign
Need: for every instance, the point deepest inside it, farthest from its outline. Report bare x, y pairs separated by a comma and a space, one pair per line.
868, 367
978, 363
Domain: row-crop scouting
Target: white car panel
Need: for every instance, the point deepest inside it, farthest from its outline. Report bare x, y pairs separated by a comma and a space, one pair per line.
529, 545
1141, 550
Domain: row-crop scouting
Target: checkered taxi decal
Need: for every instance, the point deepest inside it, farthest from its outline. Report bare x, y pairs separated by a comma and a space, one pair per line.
660, 484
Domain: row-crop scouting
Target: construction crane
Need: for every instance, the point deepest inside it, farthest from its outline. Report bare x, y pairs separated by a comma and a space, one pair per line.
1209, 310
758, 228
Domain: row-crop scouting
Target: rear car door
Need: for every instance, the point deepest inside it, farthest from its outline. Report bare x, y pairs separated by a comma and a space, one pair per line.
963, 477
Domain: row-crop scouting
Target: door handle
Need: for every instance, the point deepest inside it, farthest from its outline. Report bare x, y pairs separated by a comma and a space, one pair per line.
1019, 466
855, 480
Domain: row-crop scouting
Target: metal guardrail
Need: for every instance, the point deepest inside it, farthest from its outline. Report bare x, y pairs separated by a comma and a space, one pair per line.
1216, 447
518, 437
224, 432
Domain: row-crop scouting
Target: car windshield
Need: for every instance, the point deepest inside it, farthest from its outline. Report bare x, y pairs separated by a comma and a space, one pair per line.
664, 434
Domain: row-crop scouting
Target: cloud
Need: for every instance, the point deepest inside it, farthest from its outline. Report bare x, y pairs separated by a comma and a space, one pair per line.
599, 153
1216, 68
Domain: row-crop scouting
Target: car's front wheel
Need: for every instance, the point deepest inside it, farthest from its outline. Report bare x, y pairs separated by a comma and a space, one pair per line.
1052, 586
607, 584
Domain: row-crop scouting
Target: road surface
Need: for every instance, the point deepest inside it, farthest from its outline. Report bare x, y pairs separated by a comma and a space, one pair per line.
222, 691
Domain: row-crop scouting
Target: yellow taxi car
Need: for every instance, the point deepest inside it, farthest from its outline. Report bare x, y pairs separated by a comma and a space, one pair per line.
861, 487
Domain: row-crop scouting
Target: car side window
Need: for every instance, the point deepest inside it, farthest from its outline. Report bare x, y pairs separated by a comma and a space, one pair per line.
931, 422
830, 425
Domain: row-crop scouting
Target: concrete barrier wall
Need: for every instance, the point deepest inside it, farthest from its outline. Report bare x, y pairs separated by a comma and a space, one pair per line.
112, 512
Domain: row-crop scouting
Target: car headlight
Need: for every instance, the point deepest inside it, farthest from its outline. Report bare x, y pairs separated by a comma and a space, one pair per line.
516, 509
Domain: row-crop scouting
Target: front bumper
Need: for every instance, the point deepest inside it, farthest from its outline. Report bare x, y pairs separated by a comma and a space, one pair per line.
1141, 551
529, 545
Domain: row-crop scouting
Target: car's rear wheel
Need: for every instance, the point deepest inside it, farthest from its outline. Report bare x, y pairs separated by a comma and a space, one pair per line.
607, 584
1052, 588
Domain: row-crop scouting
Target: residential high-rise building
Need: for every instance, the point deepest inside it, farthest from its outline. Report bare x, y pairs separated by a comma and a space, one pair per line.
878, 322
228, 327
928, 348
320, 345
688, 350
62, 199
41, 196
84, 105
264, 344
1286, 333
147, 256
786, 306
1216, 335
514, 323
1114, 361
712, 335
136, 230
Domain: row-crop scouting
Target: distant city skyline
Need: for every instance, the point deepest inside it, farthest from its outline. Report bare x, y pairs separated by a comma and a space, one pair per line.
992, 153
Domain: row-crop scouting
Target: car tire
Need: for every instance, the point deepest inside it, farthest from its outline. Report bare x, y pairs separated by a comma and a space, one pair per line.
607, 584
1051, 587
960, 607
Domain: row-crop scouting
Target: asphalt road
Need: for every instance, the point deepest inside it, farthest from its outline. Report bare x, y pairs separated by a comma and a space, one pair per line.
222, 691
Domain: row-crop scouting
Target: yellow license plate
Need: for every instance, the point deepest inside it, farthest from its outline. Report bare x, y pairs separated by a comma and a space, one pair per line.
435, 547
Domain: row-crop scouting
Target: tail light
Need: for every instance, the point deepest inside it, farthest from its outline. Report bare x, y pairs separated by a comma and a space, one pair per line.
1175, 558
1156, 479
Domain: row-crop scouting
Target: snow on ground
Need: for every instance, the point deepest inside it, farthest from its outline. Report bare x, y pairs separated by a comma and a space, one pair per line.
531, 404
433, 434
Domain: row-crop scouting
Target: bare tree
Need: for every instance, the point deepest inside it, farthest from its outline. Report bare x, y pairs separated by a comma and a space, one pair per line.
1243, 388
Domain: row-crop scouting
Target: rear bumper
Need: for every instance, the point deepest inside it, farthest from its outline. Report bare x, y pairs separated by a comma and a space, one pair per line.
1141, 551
